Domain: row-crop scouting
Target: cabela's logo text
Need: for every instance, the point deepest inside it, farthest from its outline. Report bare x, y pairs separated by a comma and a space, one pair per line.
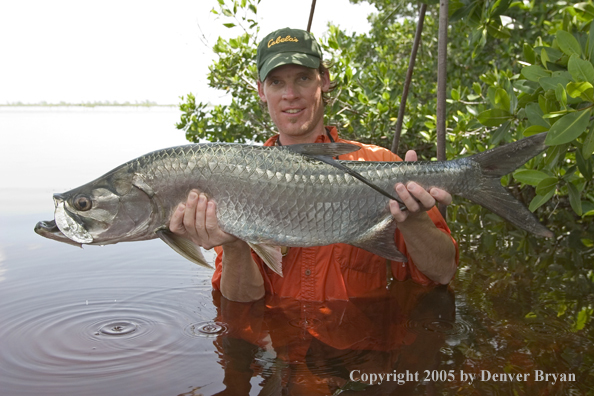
280, 39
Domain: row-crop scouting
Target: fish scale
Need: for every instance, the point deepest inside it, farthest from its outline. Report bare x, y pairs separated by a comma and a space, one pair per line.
279, 196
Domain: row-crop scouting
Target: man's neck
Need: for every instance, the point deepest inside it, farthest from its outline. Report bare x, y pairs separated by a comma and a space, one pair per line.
286, 140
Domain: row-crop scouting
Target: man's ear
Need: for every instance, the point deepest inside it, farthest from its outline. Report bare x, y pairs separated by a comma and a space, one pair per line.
325, 81
261, 92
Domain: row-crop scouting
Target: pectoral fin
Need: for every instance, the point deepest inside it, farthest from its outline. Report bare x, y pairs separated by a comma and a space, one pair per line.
379, 240
184, 247
271, 255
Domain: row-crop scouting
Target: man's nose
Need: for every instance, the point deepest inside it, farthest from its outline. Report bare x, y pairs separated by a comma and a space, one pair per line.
290, 92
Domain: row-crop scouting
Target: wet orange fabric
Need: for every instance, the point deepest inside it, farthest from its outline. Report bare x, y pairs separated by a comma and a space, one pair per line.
338, 271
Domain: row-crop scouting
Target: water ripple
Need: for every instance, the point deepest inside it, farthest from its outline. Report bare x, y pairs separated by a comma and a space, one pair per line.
52, 339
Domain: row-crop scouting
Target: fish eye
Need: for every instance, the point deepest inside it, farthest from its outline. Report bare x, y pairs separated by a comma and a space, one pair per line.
82, 202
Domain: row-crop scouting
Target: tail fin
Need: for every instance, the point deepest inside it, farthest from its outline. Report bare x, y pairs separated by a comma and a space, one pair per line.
492, 195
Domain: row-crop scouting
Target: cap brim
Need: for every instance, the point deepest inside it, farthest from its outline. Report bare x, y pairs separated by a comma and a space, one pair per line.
288, 58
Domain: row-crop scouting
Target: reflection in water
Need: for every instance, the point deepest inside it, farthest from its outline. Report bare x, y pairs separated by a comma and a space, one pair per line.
337, 346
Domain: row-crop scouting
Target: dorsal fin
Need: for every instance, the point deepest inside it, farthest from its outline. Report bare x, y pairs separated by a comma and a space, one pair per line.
325, 151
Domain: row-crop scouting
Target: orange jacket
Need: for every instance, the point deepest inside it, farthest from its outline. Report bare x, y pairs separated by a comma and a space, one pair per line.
338, 271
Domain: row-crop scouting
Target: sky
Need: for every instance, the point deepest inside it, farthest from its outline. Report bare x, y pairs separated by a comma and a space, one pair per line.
129, 50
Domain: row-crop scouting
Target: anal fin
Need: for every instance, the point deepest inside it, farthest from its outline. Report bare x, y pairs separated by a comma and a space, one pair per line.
184, 247
379, 240
270, 254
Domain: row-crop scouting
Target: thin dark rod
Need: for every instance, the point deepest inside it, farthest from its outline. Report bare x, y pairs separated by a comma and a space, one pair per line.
411, 66
442, 49
311, 13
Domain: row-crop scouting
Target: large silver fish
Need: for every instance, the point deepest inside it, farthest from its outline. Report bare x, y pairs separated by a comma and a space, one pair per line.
278, 196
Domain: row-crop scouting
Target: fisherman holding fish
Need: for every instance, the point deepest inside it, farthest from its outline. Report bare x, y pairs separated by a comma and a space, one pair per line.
292, 83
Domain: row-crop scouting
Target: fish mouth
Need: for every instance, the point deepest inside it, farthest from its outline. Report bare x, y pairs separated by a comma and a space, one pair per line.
68, 225
49, 229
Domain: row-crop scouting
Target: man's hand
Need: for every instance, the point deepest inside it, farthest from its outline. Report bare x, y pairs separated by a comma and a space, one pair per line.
415, 197
196, 220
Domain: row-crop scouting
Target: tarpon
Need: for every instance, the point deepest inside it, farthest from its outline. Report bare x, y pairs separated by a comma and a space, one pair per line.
279, 196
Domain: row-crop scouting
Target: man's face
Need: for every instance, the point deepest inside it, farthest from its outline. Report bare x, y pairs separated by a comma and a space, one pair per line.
293, 94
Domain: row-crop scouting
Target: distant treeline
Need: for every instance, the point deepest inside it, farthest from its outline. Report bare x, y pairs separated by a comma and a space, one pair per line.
147, 103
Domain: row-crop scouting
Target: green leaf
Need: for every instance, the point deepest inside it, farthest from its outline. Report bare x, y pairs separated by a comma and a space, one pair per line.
462, 12
477, 88
583, 317
333, 43
500, 132
580, 69
591, 43
544, 57
455, 94
535, 114
551, 82
494, 117
526, 86
584, 166
555, 155
499, 7
568, 44
588, 147
534, 72
253, 8
502, 99
568, 128
577, 89
574, 199
229, 25
534, 129
498, 31
546, 185
561, 95
540, 200
529, 54
530, 177
552, 54
363, 98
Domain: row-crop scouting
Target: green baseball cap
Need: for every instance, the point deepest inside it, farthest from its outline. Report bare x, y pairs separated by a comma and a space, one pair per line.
287, 47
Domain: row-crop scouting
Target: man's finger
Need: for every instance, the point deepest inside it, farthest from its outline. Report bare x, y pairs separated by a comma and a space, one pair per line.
200, 215
211, 222
190, 214
398, 214
410, 155
410, 201
441, 196
176, 223
426, 200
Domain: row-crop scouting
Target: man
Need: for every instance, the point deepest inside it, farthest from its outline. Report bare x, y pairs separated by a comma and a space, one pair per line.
291, 82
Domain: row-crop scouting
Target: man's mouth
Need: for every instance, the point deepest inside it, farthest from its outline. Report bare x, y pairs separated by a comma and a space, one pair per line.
292, 111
